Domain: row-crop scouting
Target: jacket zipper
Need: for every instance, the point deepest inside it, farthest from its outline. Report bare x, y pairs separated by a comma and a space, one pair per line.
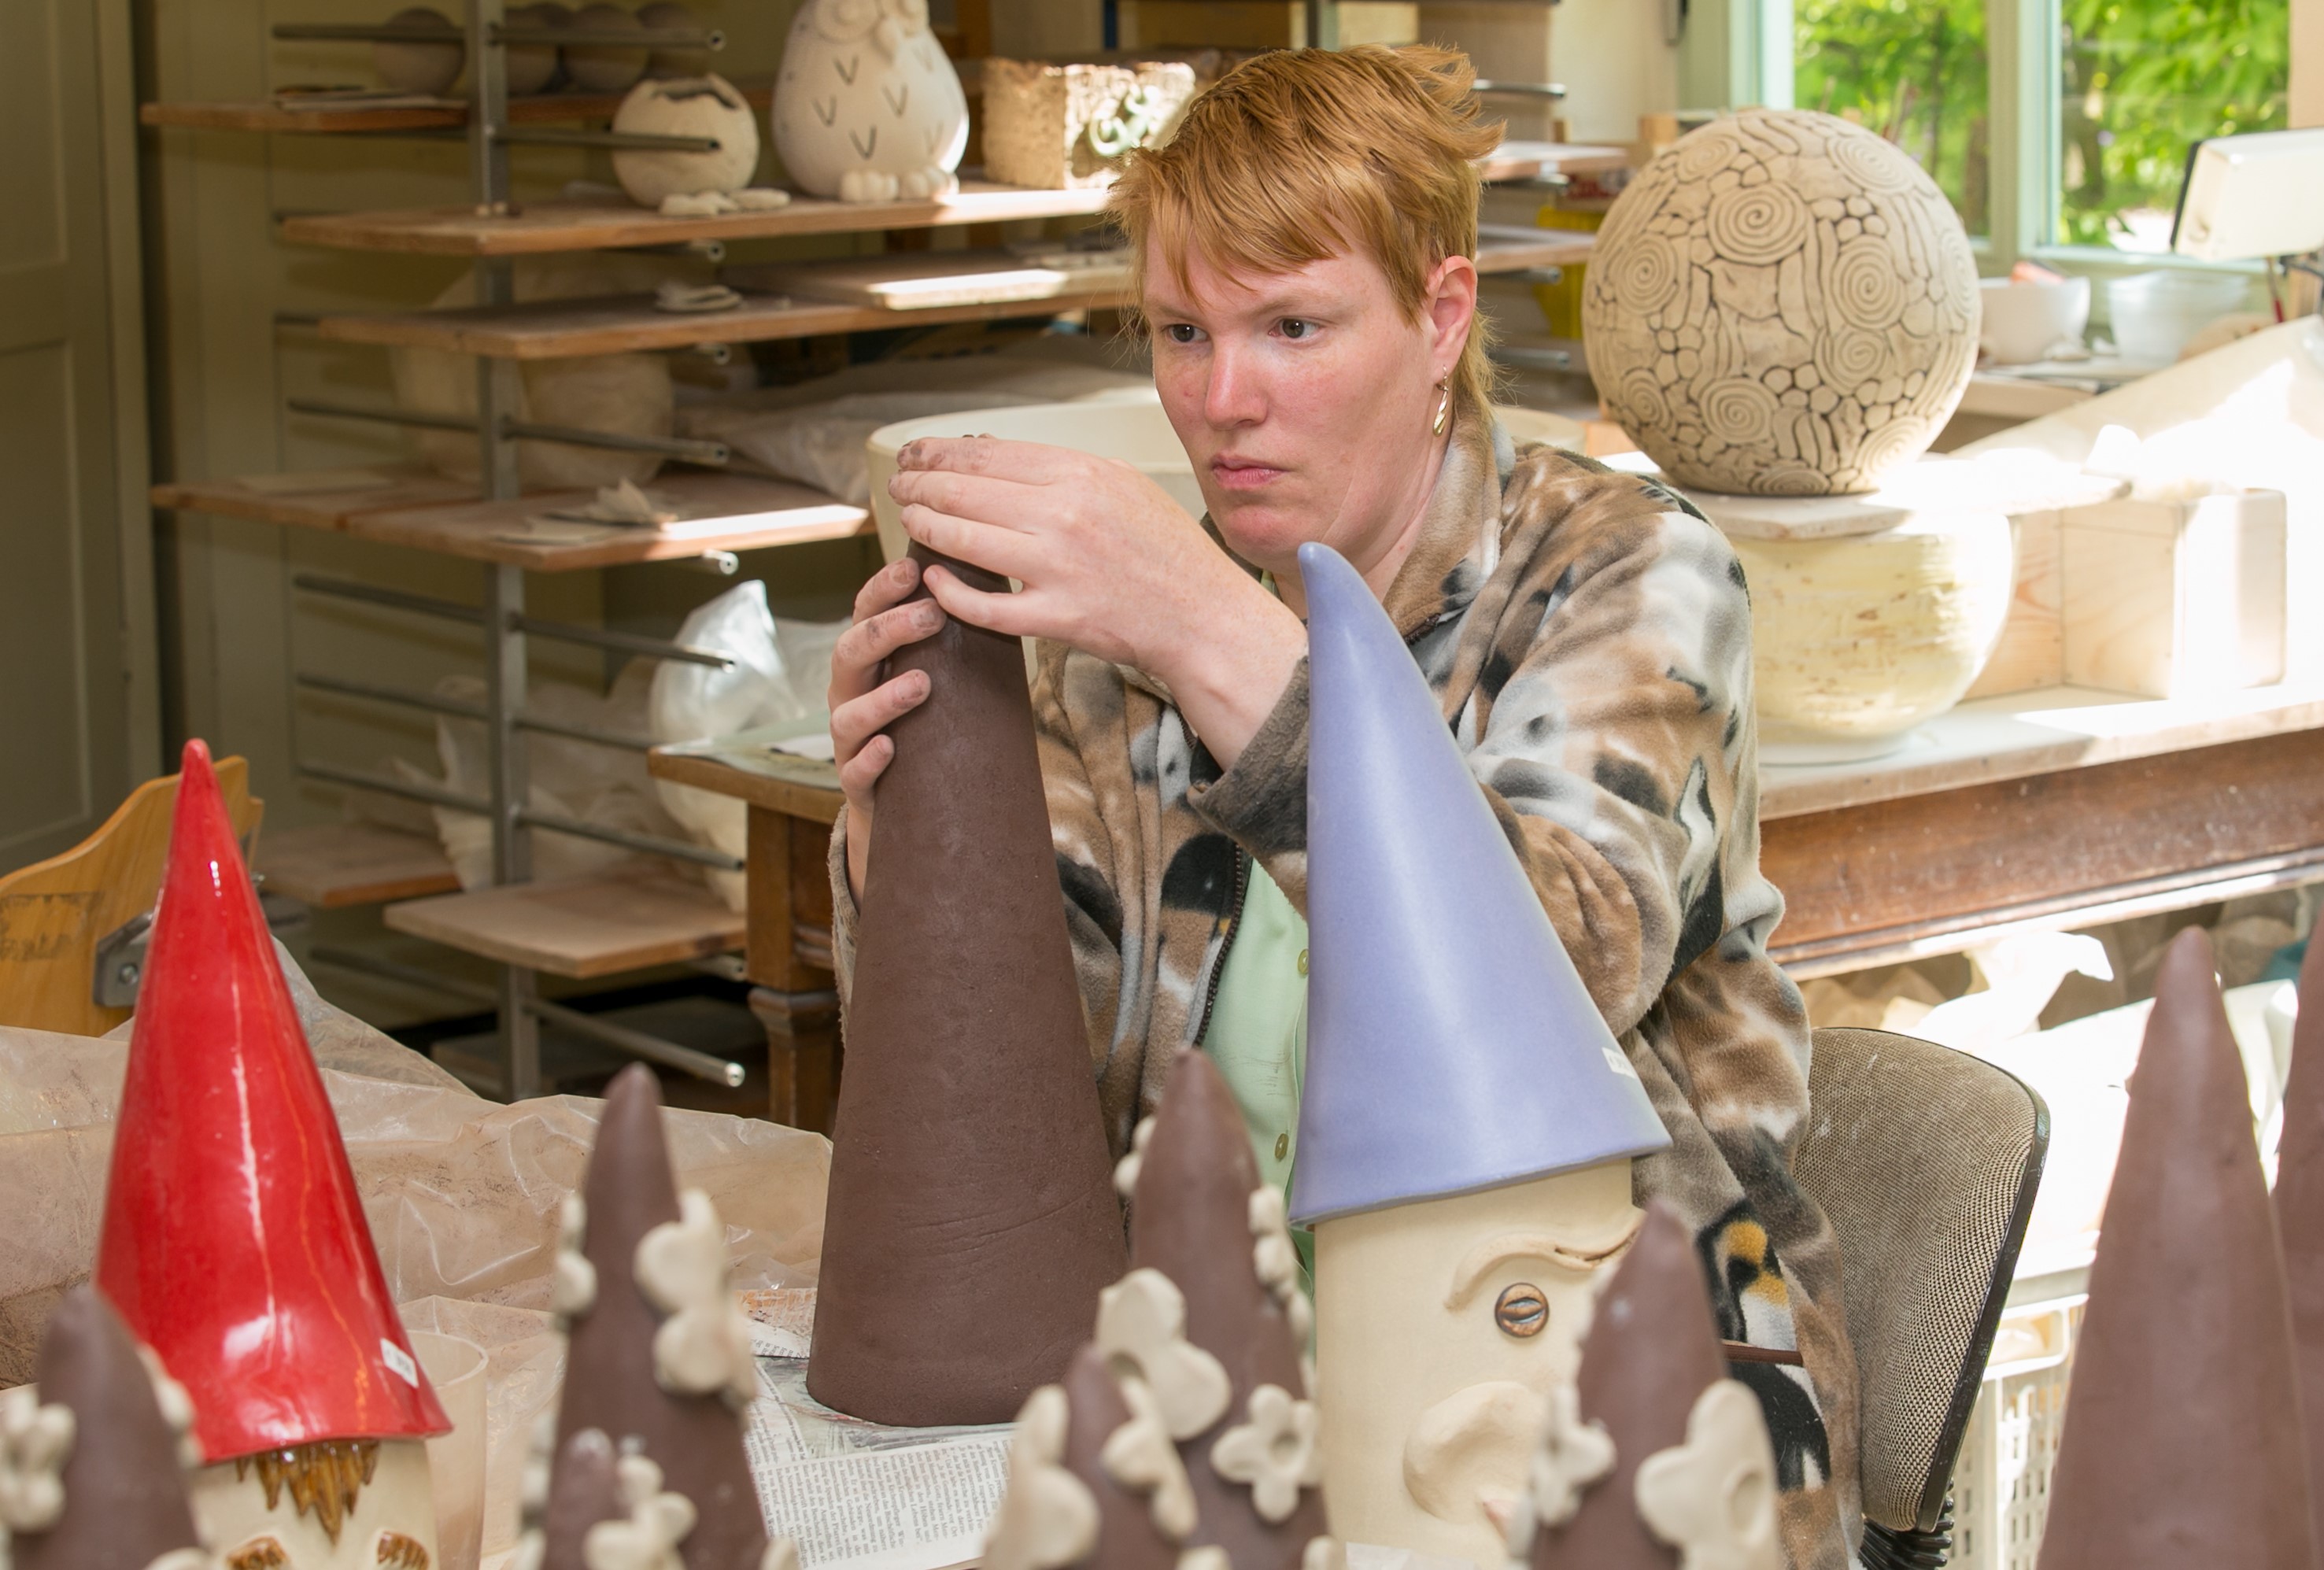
1226, 943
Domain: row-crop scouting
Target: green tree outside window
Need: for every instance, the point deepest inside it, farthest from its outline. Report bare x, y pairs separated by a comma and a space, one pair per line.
2141, 81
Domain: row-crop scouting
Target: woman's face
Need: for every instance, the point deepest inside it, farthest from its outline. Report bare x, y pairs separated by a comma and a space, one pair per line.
1305, 400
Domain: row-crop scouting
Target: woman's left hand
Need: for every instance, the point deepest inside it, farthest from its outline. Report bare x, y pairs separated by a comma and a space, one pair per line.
1110, 565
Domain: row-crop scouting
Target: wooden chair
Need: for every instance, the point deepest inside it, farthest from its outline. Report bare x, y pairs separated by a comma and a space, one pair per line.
53, 914
1926, 1160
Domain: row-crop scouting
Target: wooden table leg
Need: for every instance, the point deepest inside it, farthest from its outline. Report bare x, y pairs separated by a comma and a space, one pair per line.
787, 957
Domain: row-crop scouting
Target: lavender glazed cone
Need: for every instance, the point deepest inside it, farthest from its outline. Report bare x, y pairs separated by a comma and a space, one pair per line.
2299, 1208
972, 1220
124, 1487
1650, 1352
2183, 1443
610, 1383
1191, 1221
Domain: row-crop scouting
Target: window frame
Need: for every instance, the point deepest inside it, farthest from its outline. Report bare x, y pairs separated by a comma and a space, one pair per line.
1741, 52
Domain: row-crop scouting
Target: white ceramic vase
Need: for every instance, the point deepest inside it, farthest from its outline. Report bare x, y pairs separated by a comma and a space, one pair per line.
867, 108
1858, 640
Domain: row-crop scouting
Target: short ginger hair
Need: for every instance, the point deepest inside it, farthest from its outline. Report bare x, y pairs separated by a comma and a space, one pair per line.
1302, 155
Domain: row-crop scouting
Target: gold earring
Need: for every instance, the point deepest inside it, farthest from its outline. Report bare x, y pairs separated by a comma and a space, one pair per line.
1443, 408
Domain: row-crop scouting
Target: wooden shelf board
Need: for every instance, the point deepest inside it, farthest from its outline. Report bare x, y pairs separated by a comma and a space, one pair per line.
322, 498
626, 323
625, 919
335, 865
567, 226
266, 114
1530, 160
597, 226
721, 512
707, 769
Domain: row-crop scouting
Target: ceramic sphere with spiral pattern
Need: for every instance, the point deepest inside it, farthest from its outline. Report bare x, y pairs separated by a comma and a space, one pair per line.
1782, 304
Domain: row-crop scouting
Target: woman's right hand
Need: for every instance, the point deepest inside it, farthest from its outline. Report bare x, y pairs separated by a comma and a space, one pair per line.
863, 704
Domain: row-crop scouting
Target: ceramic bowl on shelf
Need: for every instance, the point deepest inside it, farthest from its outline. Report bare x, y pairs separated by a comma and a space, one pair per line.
2023, 322
1858, 639
1136, 431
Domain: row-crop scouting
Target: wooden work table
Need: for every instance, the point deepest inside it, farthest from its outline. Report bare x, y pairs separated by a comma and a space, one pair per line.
2052, 809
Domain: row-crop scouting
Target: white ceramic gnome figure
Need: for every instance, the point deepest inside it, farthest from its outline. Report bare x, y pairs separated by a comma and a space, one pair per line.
235, 1247
867, 108
1468, 1122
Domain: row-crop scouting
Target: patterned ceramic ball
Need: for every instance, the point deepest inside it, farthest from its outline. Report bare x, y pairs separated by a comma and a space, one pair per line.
1782, 304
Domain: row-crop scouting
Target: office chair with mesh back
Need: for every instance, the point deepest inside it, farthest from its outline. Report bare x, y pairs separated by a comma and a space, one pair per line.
1927, 1160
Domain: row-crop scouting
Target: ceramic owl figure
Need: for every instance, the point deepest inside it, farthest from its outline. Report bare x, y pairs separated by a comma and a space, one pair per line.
867, 108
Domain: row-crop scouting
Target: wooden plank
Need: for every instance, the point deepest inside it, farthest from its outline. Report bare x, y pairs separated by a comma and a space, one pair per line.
717, 512
708, 772
848, 291
2027, 734
2032, 654
923, 281
602, 925
1870, 877
267, 114
335, 865
572, 226
625, 324
318, 499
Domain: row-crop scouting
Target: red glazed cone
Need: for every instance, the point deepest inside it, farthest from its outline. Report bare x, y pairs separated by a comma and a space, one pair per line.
234, 1244
2182, 1441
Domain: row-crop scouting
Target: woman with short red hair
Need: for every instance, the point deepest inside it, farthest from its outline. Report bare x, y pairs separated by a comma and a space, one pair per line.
1305, 246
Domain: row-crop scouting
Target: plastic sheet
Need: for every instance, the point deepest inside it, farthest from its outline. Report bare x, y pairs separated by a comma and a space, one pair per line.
462, 1194
781, 672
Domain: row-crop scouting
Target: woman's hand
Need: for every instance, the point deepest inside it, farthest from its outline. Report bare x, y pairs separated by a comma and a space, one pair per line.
863, 705
1110, 566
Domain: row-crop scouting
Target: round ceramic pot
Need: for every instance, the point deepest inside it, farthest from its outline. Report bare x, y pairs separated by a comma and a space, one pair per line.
1858, 640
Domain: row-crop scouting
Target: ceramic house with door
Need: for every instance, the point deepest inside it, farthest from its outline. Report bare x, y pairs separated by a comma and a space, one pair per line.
1469, 1122
235, 1246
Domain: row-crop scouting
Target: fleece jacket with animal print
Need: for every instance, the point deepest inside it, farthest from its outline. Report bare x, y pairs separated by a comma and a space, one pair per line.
1588, 636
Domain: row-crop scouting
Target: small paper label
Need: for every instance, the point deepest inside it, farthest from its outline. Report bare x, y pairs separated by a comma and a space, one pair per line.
401, 1361
1618, 1063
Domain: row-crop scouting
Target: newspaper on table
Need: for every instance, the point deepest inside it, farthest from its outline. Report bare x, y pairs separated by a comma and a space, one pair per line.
855, 1495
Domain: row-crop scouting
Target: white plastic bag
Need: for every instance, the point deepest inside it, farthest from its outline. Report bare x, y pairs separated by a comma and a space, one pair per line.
779, 673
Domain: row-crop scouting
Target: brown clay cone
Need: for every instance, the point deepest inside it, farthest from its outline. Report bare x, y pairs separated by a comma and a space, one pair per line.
1652, 1349
1191, 1221
2182, 1443
2299, 1210
585, 1488
609, 1359
1125, 1534
972, 1221
124, 1485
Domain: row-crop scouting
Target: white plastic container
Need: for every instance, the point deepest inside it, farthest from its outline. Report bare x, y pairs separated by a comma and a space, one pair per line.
2001, 1484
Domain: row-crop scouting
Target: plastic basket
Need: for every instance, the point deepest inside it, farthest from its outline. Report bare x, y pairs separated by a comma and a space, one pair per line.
2001, 1484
